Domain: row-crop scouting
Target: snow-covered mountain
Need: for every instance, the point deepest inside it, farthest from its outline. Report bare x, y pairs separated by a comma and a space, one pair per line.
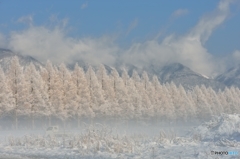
6, 55
180, 74
230, 77
175, 72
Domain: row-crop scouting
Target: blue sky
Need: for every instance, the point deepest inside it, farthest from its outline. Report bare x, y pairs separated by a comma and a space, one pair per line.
123, 27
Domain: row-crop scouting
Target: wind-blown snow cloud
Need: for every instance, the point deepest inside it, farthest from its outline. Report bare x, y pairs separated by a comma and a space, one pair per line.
53, 44
180, 12
26, 19
132, 26
55, 21
2, 40
208, 23
84, 5
236, 57
187, 49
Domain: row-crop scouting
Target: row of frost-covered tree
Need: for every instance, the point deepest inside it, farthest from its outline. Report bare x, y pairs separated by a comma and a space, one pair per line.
60, 93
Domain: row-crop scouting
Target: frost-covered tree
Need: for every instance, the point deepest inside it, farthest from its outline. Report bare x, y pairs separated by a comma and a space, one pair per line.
167, 107
126, 107
125, 77
105, 83
186, 107
135, 99
223, 100
213, 101
203, 109
176, 100
66, 94
6, 96
207, 98
115, 81
35, 93
136, 79
145, 91
67, 105
49, 77
96, 95
236, 99
192, 104
82, 93
18, 89
126, 103
135, 83
231, 100
156, 96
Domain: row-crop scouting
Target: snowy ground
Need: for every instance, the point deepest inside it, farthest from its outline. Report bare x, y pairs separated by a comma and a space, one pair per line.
220, 135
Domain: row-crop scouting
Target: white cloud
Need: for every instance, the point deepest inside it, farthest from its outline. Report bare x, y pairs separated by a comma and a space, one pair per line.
55, 21
2, 41
53, 44
236, 57
236, 54
187, 49
84, 5
132, 26
208, 23
180, 12
26, 19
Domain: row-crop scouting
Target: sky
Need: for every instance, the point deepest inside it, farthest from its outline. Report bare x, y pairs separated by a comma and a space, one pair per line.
203, 35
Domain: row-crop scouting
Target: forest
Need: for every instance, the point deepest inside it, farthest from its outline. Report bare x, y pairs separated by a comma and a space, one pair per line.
55, 92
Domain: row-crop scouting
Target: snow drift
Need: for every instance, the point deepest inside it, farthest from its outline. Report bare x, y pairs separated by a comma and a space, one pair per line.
220, 128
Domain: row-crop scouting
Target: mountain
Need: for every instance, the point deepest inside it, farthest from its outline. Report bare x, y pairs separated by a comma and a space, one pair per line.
180, 74
6, 55
175, 72
230, 77
85, 66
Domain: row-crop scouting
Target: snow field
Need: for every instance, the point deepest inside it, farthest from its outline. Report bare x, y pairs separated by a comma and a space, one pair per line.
219, 134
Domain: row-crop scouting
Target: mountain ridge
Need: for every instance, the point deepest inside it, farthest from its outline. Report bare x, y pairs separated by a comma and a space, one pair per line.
172, 72
231, 77
6, 55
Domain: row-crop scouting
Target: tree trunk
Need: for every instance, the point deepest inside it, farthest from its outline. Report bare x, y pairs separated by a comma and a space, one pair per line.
49, 120
78, 121
64, 124
33, 123
16, 120
92, 121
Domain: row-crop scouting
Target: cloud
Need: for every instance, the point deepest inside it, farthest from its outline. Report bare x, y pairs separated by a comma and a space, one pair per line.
236, 57
84, 5
180, 12
26, 19
2, 40
54, 44
208, 23
187, 49
132, 26
54, 20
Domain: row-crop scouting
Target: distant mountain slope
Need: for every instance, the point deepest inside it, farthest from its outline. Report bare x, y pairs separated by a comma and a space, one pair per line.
230, 77
176, 72
180, 74
6, 55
